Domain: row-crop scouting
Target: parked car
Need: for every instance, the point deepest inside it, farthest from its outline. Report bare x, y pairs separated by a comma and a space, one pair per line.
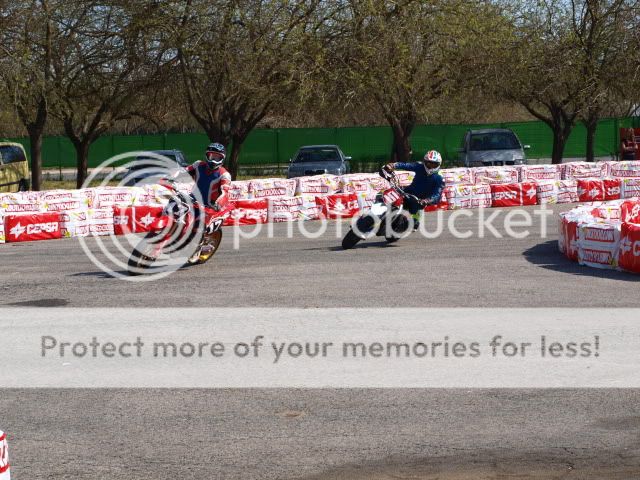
14, 168
495, 146
318, 159
143, 171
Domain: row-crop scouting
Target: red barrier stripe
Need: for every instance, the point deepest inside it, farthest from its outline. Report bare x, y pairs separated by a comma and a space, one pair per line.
4, 469
3, 437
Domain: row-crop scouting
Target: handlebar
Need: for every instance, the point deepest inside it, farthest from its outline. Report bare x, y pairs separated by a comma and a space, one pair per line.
392, 178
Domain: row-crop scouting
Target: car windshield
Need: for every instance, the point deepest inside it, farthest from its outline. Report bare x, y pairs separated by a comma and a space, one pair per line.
317, 155
11, 154
494, 141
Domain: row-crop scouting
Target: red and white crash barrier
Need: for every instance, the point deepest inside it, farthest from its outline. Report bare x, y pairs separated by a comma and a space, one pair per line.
341, 205
557, 191
540, 172
91, 211
468, 196
27, 227
624, 169
404, 177
285, 209
629, 253
66, 200
576, 170
514, 194
136, 219
318, 185
272, 187
5, 467
248, 212
238, 190
605, 235
607, 211
108, 197
20, 202
598, 244
82, 223
630, 187
595, 189
496, 175
453, 176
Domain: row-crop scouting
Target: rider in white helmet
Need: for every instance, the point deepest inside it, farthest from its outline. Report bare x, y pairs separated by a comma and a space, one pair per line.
427, 183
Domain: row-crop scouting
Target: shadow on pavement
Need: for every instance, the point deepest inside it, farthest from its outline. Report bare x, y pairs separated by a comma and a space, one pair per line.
547, 255
362, 244
98, 274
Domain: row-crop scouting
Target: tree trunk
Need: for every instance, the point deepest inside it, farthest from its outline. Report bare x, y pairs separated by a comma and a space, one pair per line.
401, 149
35, 138
559, 140
591, 125
82, 160
233, 165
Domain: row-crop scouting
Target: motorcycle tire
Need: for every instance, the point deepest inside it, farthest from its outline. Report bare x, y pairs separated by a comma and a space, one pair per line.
212, 241
138, 261
350, 240
365, 224
391, 239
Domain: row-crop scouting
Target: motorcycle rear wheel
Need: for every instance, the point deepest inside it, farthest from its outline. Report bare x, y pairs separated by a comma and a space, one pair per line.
139, 259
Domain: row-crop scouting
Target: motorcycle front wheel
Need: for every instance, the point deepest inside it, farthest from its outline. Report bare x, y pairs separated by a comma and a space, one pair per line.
207, 248
350, 240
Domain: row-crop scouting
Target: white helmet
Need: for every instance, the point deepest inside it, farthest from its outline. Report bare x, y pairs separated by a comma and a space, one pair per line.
432, 162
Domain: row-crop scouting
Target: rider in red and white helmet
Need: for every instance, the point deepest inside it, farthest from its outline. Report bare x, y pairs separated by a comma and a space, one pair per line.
427, 184
212, 179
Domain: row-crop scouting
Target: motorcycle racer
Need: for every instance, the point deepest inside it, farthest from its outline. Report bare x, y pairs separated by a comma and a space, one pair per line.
427, 183
211, 178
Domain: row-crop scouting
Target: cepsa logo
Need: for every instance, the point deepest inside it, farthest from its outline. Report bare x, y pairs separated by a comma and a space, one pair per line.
34, 228
506, 195
626, 245
49, 227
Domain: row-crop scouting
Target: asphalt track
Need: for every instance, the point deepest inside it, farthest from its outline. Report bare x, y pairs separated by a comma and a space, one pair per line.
323, 434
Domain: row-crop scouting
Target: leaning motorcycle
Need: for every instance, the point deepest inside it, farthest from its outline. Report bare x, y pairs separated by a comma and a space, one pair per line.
187, 227
386, 218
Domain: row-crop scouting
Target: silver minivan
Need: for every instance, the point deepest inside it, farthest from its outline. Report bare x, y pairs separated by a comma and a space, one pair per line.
317, 160
492, 146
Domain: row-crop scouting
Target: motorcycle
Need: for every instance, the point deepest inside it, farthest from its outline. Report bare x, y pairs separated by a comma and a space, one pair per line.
386, 218
182, 220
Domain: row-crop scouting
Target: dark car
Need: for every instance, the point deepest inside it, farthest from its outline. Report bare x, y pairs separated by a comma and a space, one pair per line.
145, 169
317, 160
495, 146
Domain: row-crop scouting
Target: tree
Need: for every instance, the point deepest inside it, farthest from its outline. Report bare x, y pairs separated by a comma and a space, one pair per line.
604, 33
539, 69
404, 56
104, 67
239, 61
25, 69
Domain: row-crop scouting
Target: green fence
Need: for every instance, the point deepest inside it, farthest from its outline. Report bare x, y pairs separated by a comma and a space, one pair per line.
364, 144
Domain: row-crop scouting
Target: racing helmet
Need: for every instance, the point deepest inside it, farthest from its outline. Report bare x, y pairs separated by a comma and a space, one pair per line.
215, 155
432, 162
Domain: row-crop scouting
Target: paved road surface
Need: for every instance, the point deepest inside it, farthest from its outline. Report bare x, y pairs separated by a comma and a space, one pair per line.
345, 434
